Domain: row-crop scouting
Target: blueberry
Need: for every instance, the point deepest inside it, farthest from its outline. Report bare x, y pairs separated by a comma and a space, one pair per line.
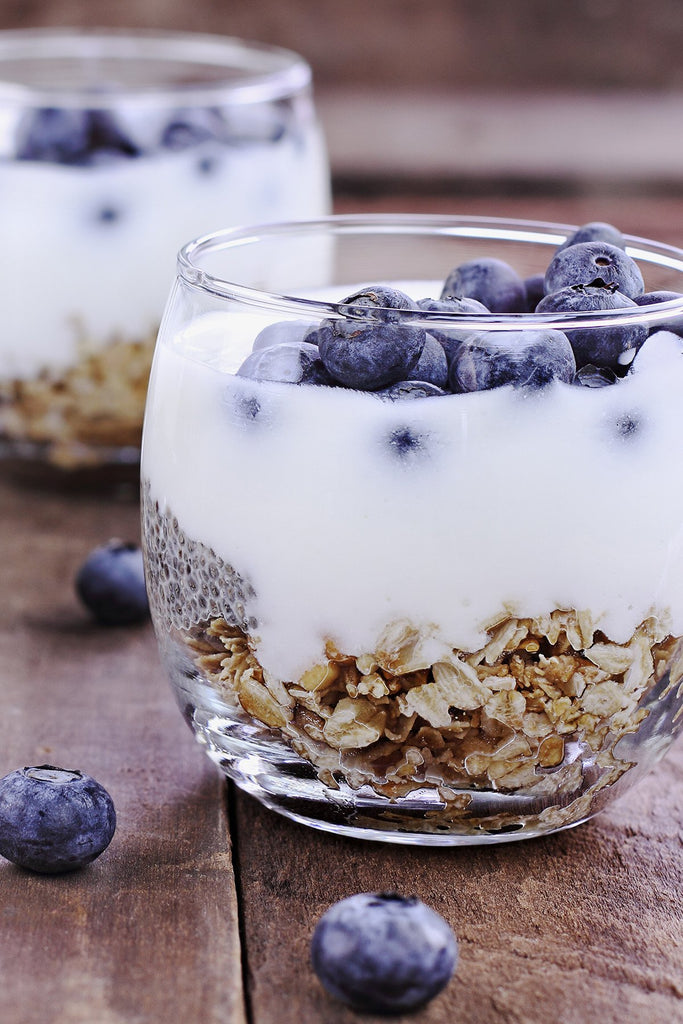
432, 366
383, 953
74, 137
106, 140
191, 126
409, 389
52, 134
381, 299
404, 443
628, 425
289, 363
590, 376
595, 231
372, 348
675, 324
451, 340
284, 331
492, 359
111, 584
534, 287
491, 281
612, 345
53, 820
594, 263
108, 215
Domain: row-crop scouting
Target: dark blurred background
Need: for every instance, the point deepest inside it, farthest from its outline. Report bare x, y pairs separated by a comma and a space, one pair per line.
501, 97
461, 44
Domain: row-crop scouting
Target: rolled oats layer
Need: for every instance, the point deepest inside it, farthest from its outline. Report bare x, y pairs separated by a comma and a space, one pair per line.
523, 713
98, 402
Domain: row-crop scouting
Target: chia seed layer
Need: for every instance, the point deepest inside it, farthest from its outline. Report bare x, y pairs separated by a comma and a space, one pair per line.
188, 583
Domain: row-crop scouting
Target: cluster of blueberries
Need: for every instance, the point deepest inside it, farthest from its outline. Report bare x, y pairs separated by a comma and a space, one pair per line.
374, 346
88, 137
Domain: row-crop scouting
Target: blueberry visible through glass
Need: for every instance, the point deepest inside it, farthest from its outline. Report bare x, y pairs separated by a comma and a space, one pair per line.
192, 126
77, 138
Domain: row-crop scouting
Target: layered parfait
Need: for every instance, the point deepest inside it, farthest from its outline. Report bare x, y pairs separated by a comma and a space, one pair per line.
115, 149
414, 551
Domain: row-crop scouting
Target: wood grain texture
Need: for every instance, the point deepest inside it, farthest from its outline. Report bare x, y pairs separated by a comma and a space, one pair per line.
148, 932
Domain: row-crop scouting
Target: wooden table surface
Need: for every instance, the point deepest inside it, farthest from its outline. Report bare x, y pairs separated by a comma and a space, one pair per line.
202, 908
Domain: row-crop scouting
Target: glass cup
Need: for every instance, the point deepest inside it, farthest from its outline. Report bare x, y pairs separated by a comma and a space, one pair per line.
426, 613
115, 149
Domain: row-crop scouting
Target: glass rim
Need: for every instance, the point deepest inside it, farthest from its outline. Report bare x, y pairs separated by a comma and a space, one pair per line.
472, 227
269, 73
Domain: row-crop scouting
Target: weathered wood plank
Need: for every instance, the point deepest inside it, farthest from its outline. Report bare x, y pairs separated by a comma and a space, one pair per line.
148, 933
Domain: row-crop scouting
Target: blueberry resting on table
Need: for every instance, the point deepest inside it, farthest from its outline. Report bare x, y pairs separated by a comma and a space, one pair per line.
111, 584
489, 280
53, 820
493, 359
383, 953
614, 346
594, 263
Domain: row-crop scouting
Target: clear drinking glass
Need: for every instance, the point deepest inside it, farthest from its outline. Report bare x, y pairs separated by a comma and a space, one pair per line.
419, 616
116, 148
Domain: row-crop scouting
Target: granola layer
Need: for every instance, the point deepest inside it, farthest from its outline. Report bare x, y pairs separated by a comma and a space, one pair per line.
98, 402
524, 713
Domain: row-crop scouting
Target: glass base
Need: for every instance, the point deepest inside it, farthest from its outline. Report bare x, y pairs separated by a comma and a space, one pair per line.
291, 788
262, 764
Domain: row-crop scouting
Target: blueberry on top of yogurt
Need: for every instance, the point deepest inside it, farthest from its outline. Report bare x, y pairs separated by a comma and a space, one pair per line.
494, 358
589, 263
595, 231
491, 281
613, 345
376, 346
366, 353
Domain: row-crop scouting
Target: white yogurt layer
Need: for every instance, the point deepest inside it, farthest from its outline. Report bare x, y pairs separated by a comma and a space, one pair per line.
89, 253
506, 502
